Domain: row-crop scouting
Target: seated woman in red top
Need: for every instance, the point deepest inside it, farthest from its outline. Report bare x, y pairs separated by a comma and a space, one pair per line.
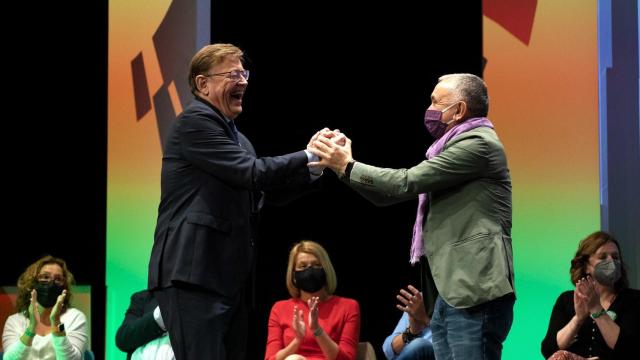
314, 323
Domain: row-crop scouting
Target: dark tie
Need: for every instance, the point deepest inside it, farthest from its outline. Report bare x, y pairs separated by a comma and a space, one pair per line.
234, 131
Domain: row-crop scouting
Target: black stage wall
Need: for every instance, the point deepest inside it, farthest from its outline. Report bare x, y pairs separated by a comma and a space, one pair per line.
369, 71
55, 133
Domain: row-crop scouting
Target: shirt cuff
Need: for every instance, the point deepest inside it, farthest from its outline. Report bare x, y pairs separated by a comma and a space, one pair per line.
315, 173
158, 317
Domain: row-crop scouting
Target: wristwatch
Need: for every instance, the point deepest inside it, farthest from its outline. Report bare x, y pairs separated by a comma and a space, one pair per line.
348, 168
408, 336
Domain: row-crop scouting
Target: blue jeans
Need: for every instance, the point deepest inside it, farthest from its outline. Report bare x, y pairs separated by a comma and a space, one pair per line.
474, 333
418, 349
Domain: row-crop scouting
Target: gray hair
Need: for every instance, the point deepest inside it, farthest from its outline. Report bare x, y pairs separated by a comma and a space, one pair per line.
472, 90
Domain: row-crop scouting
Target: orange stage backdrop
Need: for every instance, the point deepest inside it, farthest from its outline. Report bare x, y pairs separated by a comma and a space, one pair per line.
541, 71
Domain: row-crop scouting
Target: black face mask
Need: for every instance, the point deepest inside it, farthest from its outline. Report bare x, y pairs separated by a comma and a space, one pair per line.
310, 279
48, 293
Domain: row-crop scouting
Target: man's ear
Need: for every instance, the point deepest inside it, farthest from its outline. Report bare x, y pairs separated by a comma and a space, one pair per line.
461, 111
202, 85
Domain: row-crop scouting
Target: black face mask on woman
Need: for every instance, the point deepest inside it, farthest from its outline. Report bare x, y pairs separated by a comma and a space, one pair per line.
310, 279
48, 293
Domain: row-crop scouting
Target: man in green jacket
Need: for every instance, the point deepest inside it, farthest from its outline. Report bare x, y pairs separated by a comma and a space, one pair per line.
463, 222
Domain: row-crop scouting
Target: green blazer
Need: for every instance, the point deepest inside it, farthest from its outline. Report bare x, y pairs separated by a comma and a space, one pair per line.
467, 229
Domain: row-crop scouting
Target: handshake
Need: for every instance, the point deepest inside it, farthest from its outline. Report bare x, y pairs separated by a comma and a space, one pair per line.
332, 148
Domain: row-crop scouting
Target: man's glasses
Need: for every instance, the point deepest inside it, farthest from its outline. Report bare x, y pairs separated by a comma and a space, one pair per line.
233, 75
47, 278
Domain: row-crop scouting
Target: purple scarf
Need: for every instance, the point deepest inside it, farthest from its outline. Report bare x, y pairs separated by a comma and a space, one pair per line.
417, 245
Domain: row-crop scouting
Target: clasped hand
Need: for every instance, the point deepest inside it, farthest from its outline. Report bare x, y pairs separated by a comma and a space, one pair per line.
333, 148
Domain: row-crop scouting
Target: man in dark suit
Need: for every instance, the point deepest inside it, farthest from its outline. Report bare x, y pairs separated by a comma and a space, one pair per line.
212, 185
142, 324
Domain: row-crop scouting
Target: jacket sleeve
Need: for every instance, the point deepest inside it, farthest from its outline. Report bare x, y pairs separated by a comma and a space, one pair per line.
377, 198
461, 162
137, 328
205, 144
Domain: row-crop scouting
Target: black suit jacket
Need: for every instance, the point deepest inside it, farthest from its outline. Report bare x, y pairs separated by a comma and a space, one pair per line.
139, 326
211, 194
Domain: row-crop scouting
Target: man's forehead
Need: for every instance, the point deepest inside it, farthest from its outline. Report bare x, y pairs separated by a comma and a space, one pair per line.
442, 89
228, 62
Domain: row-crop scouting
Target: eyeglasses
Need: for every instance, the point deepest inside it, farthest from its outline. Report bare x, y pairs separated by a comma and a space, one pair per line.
233, 75
47, 278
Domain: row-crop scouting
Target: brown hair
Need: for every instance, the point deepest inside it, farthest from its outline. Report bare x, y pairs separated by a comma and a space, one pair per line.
587, 247
315, 249
208, 56
29, 278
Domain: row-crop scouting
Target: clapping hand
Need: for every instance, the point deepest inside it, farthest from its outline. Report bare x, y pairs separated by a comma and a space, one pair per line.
588, 296
56, 311
34, 311
313, 313
298, 323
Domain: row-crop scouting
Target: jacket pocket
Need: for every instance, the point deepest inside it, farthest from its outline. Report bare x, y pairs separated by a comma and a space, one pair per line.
470, 238
222, 225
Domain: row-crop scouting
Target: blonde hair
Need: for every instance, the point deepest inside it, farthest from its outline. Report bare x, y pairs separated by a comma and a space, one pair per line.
29, 278
315, 249
208, 56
